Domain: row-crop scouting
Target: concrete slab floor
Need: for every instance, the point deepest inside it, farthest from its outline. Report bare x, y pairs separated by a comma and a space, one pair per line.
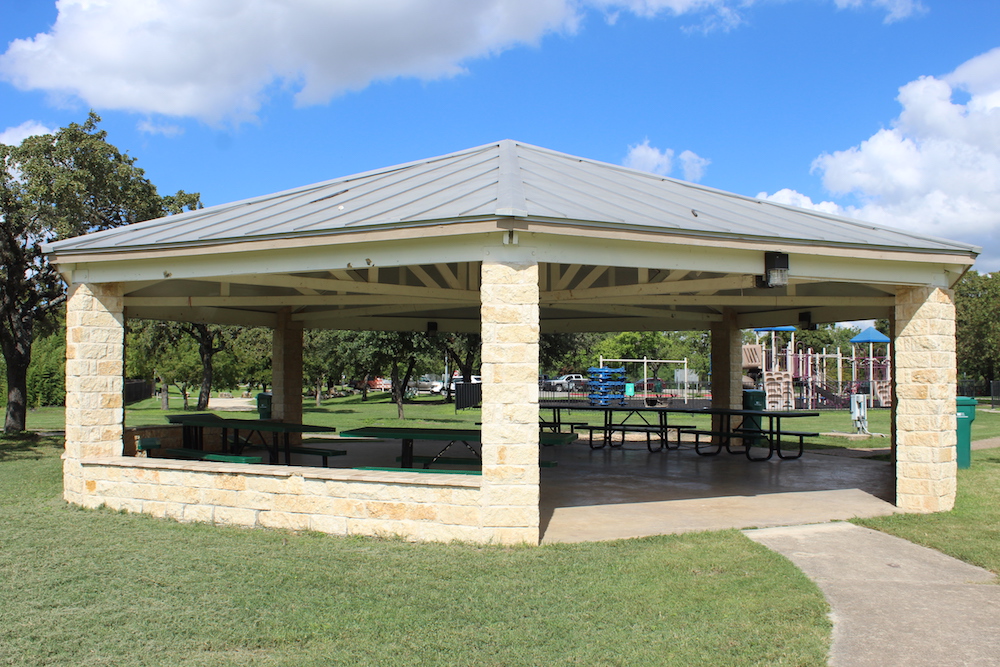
609, 494
618, 493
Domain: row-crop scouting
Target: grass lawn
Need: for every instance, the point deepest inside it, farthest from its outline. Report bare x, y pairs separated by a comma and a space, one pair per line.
431, 411
83, 587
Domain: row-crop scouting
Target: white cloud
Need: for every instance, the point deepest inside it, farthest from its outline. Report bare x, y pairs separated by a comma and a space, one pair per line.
166, 129
793, 198
693, 166
936, 169
220, 59
649, 158
896, 10
13, 136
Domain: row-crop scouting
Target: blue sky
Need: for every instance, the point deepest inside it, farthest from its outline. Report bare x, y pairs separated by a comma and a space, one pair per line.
887, 110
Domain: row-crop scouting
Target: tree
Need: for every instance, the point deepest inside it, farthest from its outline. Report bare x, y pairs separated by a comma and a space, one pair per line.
52, 187
977, 324
210, 340
322, 359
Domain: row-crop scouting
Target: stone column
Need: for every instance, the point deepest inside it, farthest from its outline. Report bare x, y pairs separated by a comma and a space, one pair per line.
286, 371
925, 376
509, 311
95, 367
727, 365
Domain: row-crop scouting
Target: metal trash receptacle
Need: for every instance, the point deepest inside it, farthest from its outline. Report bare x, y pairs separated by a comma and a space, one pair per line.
264, 406
753, 399
965, 414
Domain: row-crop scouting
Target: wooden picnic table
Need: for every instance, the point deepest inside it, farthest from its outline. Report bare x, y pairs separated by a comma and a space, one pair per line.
407, 435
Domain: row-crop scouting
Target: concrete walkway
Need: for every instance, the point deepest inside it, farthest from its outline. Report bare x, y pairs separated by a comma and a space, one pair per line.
894, 602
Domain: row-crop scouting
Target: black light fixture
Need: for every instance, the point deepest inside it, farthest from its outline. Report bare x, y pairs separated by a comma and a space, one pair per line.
806, 321
432, 327
775, 270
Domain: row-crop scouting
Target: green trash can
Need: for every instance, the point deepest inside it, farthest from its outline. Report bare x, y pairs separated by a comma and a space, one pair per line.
753, 399
965, 415
264, 406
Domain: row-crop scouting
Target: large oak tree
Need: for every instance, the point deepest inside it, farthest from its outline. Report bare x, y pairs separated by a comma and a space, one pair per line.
52, 187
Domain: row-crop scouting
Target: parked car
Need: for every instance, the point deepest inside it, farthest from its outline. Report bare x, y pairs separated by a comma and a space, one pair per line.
568, 382
425, 383
476, 379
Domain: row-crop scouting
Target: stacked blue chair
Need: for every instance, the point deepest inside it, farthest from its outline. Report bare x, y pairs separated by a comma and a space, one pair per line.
606, 385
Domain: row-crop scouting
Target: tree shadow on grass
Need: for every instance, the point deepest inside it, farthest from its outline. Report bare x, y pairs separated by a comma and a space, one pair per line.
27, 445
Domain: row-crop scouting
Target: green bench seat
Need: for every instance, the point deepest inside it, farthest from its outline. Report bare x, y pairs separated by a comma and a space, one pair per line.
316, 451
440, 470
148, 444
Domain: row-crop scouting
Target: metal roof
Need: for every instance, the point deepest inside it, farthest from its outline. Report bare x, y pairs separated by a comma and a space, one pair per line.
504, 179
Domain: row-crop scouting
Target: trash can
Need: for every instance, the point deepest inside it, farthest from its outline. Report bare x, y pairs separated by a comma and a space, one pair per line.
264, 406
965, 415
753, 399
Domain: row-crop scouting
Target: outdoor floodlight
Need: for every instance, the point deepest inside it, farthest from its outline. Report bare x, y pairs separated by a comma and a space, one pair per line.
775, 269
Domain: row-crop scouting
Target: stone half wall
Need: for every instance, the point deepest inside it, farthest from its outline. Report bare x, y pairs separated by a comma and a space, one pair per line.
416, 506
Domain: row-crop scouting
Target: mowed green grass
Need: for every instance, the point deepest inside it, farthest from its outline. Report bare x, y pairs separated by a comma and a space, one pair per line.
431, 411
96, 587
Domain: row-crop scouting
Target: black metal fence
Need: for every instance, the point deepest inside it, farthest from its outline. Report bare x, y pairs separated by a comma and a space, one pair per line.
468, 394
137, 390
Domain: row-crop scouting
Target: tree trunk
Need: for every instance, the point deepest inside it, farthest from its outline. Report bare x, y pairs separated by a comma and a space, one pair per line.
397, 391
206, 352
319, 392
183, 387
164, 393
17, 396
17, 354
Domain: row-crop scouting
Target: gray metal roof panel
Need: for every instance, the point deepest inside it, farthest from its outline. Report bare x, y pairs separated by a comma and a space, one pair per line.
503, 179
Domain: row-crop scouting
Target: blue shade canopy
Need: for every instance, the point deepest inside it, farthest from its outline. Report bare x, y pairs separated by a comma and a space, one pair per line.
870, 335
785, 328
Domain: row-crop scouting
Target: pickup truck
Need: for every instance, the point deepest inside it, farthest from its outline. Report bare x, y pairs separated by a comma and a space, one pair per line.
425, 383
569, 382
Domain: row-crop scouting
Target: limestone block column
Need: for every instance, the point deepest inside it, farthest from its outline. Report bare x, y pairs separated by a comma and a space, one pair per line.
509, 311
727, 365
95, 367
925, 374
286, 371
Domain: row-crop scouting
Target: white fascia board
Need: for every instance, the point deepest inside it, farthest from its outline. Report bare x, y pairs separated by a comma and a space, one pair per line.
288, 260
878, 269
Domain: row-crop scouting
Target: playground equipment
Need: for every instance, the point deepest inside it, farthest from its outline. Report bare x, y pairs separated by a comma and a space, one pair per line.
683, 382
800, 377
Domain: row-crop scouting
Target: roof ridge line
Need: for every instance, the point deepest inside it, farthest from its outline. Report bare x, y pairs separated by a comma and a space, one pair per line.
510, 186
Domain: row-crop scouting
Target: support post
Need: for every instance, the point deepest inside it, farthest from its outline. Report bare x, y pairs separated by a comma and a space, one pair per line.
286, 371
924, 378
727, 366
510, 482
95, 366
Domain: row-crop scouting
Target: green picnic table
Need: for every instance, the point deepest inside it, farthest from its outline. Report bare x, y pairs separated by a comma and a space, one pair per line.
249, 426
450, 435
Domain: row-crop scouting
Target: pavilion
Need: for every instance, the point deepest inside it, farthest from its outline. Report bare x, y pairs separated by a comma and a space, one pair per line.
505, 239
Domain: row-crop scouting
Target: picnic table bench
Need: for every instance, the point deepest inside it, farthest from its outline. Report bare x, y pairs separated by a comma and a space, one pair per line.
150, 444
751, 435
